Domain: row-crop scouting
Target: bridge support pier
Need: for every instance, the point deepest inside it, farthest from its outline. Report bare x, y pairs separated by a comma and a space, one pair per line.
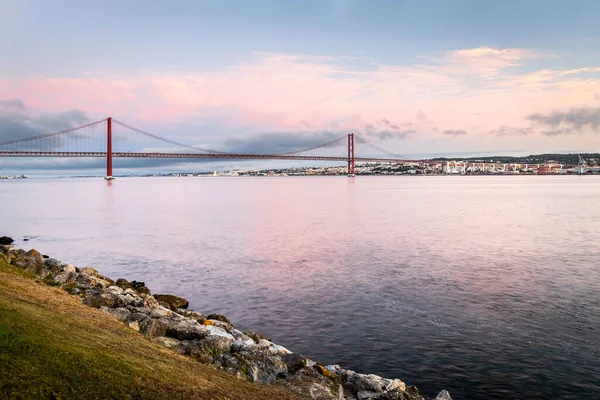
351, 154
109, 149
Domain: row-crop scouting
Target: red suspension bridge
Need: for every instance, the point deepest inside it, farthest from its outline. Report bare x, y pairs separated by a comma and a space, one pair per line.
109, 138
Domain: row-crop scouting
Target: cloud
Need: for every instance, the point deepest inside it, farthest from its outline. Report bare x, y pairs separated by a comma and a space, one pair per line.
15, 105
511, 131
576, 120
454, 132
17, 121
282, 142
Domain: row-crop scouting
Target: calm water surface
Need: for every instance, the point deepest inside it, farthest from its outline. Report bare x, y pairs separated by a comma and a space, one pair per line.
486, 286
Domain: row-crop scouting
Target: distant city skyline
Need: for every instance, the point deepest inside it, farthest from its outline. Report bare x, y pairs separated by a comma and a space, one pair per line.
427, 78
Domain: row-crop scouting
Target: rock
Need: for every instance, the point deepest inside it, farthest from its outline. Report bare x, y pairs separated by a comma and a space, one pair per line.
211, 346
248, 345
257, 337
198, 317
5, 248
354, 383
129, 298
272, 348
99, 300
184, 330
45, 256
69, 268
26, 239
321, 369
443, 395
31, 261
160, 312
114, 290
35, 253
217, 331
5, 240
120, 313
91, 272
53, 264
294, 362
65, 277
173, 302
136, 284
265, 369
123, 283
143, 290
152, 328
218, 317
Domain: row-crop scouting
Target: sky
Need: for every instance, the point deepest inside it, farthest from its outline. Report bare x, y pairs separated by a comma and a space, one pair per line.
420, 78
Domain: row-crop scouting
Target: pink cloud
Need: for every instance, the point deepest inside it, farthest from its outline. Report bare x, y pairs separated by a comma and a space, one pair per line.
473, 89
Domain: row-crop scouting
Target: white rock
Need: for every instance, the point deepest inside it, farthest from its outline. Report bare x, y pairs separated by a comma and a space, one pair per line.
276, 350
215, 330
443, 395
161, 312
69, 268
243, 345
114, 290
396, 384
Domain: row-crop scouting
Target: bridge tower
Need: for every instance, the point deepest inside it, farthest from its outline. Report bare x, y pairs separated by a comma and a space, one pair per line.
109, 149
351, 154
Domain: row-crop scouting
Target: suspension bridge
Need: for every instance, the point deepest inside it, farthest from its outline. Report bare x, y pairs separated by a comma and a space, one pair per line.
109, 138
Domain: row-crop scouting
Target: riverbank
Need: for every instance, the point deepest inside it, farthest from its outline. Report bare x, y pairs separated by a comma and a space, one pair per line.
29, 309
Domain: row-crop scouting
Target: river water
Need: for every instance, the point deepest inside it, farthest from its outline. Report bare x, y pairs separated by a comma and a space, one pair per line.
486, 286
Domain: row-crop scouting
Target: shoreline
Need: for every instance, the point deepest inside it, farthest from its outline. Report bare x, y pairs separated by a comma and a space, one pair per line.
209, 339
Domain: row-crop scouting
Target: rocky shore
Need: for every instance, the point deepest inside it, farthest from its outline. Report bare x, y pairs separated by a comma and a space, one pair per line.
212, 339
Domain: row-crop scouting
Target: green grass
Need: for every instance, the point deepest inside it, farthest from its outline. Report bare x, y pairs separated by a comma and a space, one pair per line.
54, 347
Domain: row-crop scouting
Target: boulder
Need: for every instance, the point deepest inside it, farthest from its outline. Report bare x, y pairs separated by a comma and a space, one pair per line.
35, 253
211, 346
152, 328
69, 268
173, 302
218, 317
443, 395
294, 362
5, 240
160, 312
272, 348
248, 346
257, 337
53, 264
218, 331
65, 277
91, 272
184, 330
98, 300
120, 313
354, 383
198, 317
31, 261
123, 283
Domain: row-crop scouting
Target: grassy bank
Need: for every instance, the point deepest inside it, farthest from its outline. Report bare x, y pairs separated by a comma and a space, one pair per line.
53, 347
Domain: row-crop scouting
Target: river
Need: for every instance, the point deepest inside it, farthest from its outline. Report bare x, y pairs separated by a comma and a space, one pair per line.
486, 286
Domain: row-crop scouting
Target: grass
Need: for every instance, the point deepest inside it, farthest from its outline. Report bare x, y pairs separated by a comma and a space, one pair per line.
54, 347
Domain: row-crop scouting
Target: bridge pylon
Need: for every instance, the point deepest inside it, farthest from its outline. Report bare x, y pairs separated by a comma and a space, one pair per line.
109, 154
351, 154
